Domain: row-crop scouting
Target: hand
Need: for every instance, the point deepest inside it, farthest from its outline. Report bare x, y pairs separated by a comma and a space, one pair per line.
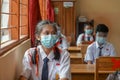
22, 78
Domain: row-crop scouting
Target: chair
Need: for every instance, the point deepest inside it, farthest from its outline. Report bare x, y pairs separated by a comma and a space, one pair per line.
105, 65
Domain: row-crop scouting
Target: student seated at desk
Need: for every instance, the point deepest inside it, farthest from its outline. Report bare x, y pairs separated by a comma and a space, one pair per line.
46, 61
62, 42
100, 47
87, 37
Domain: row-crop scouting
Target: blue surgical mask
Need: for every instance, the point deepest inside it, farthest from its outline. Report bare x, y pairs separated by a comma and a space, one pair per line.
101, 40
48, 41
88, 31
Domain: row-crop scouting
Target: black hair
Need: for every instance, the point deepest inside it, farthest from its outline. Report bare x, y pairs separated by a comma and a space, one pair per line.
102, 28
88, 24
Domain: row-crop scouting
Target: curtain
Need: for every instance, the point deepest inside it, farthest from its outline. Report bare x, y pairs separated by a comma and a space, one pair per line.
34, 17
50, 11
43, 9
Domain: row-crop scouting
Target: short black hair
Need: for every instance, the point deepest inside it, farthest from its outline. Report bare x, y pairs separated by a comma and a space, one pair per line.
88, 24
102, 28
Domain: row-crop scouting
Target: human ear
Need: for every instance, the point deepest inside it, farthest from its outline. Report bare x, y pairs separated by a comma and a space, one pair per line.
37, 37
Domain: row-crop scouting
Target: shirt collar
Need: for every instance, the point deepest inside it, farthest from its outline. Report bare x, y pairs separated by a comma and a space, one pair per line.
97, 45
86, 35
43, 54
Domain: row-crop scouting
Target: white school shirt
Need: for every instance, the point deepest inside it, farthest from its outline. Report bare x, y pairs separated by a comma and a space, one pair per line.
61, 67
64, 44
80, 37
93, 51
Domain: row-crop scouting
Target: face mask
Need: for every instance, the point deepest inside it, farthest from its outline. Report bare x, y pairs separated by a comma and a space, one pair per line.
101, 40
48, 41
89, 31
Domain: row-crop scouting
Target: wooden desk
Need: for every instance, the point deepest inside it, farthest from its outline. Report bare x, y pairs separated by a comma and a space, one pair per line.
86, 72
74, 48
75, 58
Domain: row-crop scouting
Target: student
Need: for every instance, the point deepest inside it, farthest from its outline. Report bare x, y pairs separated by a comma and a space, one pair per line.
46, 61
100, 47
87, 37
62, 41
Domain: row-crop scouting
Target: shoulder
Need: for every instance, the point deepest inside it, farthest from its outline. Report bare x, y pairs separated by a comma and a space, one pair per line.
92, 45
82, 34
108, 44
29, 52
64, 52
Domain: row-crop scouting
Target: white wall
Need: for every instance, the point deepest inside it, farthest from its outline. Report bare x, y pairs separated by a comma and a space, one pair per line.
11, 62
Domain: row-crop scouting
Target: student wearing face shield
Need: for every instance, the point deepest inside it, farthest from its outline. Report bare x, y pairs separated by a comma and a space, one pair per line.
100, 47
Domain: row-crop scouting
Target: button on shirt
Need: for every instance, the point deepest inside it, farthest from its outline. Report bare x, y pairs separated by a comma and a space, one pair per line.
93, 51
61, 67
80, 38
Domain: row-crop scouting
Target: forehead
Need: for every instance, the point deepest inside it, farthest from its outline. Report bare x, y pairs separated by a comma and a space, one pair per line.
88, 27
102, 34
48, 27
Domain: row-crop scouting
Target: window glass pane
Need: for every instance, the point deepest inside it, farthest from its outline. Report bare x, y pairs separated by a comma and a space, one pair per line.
4, 20
5, 6
5, 35
23, 18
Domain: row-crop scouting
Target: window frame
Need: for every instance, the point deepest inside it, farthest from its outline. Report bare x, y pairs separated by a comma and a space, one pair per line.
16, 40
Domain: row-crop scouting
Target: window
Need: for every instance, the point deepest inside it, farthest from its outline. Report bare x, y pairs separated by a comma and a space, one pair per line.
13, 22
23, 18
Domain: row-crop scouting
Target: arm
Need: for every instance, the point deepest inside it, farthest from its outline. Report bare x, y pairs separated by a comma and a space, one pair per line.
89, 62
26, 67
89, 55
113, 53
22, 78
64, 79
79, 40
64, 70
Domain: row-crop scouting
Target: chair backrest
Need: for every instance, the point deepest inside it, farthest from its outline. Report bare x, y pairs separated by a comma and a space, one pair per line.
107, 64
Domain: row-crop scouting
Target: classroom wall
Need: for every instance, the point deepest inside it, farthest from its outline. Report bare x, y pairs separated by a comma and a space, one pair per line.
11, 62
103, 11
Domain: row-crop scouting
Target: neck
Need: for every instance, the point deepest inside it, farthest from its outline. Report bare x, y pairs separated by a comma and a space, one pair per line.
88, 34
47, 50
100, 44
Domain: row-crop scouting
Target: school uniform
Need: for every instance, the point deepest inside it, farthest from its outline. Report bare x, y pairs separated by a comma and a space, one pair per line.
61, 67
94, 51
84, 37
63, 44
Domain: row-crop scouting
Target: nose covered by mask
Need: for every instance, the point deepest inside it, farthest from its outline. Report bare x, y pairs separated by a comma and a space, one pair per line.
88, 31
48, 41
101, 40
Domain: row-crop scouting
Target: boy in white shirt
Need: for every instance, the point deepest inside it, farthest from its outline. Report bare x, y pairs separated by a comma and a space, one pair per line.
100, 47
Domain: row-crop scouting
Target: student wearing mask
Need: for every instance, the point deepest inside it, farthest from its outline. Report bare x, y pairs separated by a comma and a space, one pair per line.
86, 37
45, 61
62, 42
100, 47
